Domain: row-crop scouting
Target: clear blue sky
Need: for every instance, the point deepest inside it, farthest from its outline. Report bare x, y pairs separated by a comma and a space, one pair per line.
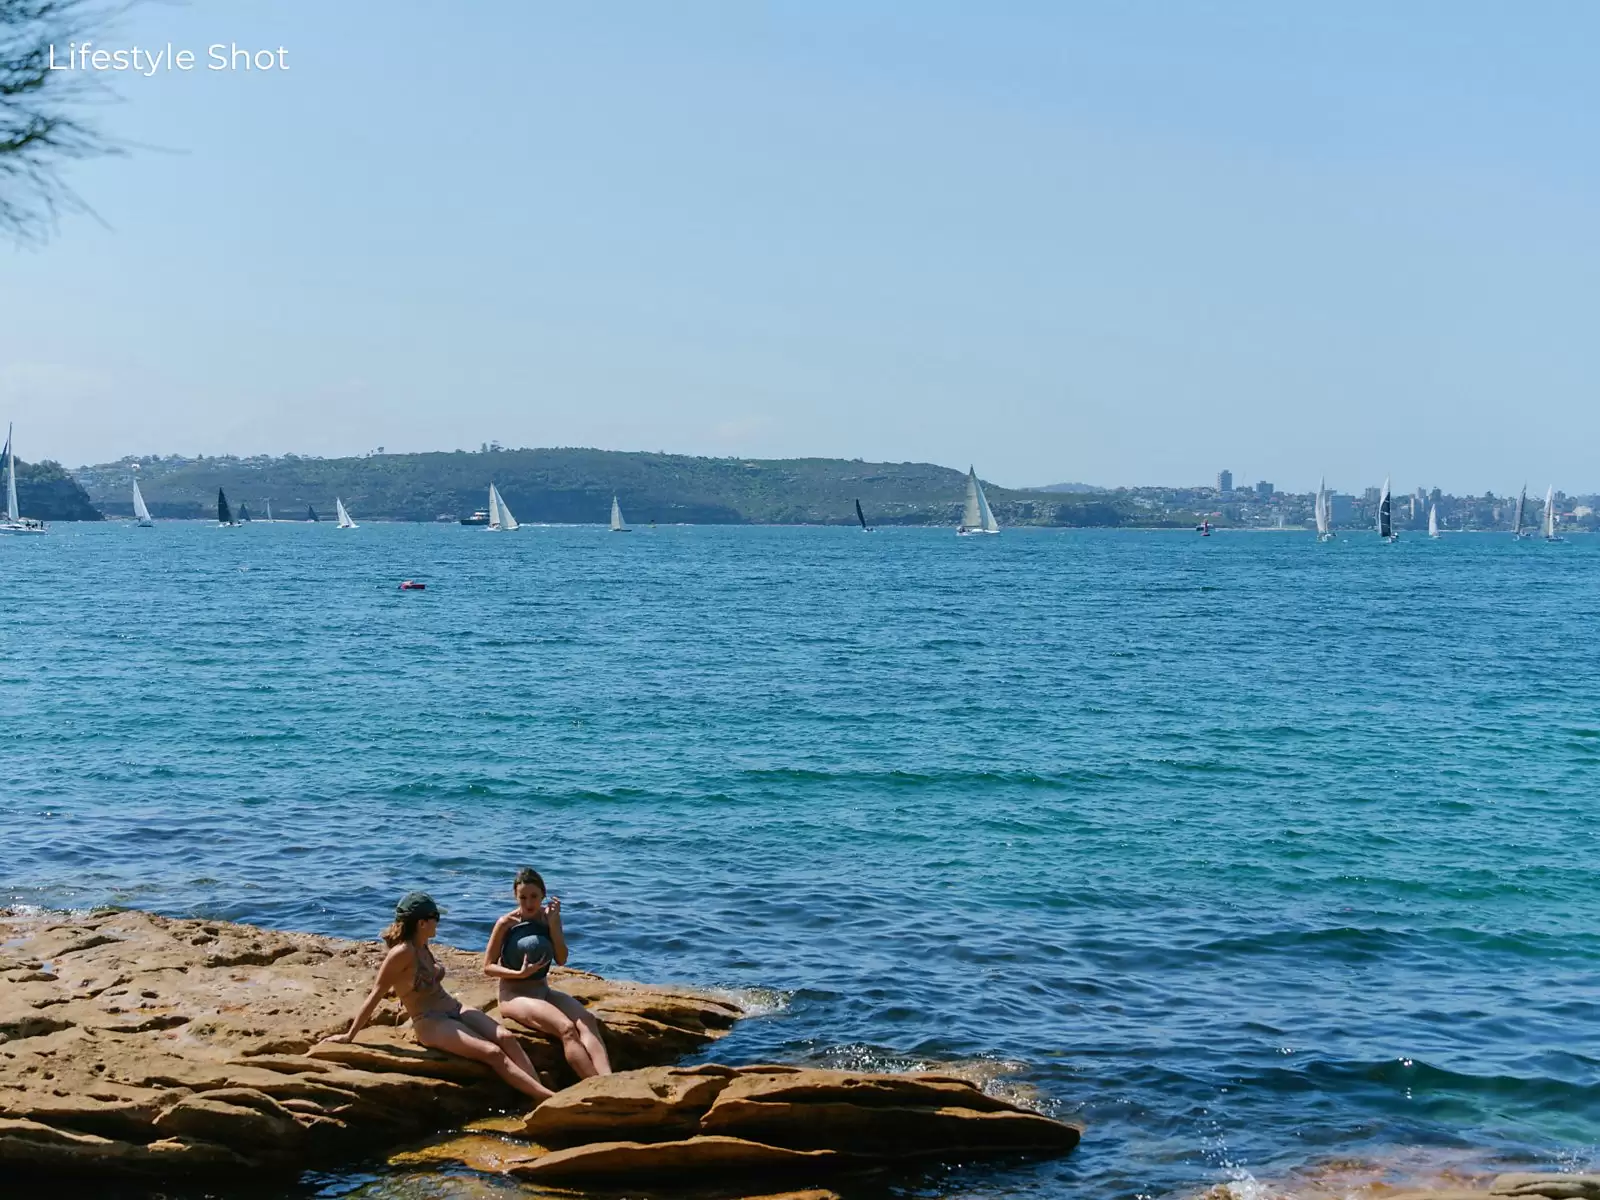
1120, 243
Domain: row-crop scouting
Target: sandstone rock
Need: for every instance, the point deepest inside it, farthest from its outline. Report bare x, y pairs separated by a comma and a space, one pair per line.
859, 1119
132, 1044
1552, 1187
474, 1151
658, 1104
703, 1157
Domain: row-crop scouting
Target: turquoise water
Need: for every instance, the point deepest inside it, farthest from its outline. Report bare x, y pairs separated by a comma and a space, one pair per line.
1243, 851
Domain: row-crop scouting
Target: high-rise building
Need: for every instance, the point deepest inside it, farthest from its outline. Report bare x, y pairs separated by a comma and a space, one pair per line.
1264, 490
1224, 481
1343, 508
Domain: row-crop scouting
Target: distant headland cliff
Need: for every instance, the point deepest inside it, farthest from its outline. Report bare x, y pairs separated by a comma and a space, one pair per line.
47, 492
576, 485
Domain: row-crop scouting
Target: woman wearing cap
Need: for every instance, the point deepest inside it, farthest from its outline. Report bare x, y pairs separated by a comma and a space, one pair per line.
437, 1018
519, 954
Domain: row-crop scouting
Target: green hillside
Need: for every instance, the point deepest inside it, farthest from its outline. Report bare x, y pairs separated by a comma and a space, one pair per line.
575, 485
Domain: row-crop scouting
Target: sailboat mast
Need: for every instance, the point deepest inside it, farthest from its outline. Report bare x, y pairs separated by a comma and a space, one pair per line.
13, 514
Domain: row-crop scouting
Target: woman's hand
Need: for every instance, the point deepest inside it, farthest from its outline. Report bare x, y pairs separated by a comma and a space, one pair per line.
529, 967
552, 909
341, 1037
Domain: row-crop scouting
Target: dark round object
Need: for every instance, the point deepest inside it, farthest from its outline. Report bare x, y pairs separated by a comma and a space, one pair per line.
530, 940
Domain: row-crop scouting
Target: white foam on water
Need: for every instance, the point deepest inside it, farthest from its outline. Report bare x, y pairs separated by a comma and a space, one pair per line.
755, 1001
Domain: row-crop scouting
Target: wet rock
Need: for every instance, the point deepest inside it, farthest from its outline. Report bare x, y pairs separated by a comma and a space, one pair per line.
666, 1162
1552, 1187
132, 1044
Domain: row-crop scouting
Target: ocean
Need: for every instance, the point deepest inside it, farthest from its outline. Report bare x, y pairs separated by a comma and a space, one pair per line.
1254, 856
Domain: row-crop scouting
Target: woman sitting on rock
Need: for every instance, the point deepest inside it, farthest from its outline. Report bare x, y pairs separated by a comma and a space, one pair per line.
519, 953
437, 1019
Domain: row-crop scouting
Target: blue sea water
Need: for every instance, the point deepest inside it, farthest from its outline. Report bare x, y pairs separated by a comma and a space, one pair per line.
1244, 852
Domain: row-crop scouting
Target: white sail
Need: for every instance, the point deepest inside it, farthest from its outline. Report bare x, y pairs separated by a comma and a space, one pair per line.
507, 521
1550, 513
269, 512
975, 514
494, 508
1322, 507
140, 512
344, 516
990, 525
616, 517
971, 517
12, 513
1516, 519
1433, 520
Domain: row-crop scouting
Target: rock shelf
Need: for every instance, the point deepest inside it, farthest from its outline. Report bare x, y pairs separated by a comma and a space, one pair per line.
157, 1048
133, 1044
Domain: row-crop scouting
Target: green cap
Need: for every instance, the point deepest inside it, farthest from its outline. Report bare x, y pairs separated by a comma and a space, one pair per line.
416, 904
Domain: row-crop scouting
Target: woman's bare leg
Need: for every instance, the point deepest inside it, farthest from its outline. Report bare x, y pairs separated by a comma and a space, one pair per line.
588, 1030
453, 1037
486, 1027
543, 1015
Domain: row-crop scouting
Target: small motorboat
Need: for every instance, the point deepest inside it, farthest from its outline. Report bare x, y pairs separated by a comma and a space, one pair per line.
411, 585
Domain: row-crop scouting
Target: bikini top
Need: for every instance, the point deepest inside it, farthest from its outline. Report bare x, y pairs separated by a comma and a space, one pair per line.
428, 975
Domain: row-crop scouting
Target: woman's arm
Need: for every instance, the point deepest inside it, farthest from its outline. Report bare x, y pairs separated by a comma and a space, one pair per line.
552, 914
381, 987
491, 953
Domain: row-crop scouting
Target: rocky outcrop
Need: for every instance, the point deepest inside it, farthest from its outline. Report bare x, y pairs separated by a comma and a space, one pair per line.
145, 1046
141, 1045
692, 1125
1524, 1186
1461, 1181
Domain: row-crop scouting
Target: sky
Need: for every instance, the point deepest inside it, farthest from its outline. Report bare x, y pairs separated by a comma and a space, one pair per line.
1115, 243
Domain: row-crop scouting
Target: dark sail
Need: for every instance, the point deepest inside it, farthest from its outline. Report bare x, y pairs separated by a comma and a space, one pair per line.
861, 516
1385, 528
311, 513
224, 516
244, 512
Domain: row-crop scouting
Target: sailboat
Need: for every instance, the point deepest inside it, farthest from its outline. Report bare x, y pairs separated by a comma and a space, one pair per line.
499, 515
141, 514
862, 517
224, 513
344, 516
1324, 510
311, 514
1433, 520
15, 522
1385, 515
269, 513
975, 514
1516, 517
244, 512
1550, 515
616, 518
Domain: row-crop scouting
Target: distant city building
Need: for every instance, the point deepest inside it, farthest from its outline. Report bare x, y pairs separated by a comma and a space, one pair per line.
1224, 481
1264, 490
1371, 495
1343, 508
